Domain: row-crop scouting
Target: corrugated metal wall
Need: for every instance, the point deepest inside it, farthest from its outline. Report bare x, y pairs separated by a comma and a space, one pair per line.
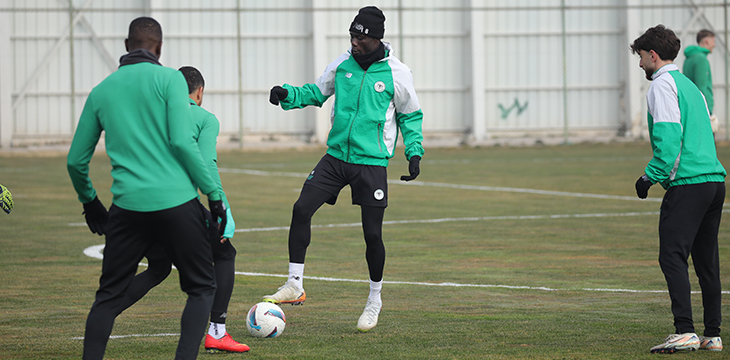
526, 61
482, 68
686, 18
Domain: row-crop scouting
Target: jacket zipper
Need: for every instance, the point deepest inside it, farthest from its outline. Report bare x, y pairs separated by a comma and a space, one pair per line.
379, 137
357, 110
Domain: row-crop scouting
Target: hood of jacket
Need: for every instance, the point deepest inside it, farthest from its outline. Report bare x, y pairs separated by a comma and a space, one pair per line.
137, 56
694, 50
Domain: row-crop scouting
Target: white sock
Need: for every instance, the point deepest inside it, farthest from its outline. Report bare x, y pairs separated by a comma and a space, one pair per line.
296, 274
375, 287
217, 330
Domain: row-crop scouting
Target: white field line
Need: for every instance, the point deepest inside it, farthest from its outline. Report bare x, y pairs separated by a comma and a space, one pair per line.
442, 220
263, 173
521, 190
536, 160
96, 252
498, 161
453, 186
131, 335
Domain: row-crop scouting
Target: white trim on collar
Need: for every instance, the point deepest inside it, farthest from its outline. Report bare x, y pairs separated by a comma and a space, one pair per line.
664, 69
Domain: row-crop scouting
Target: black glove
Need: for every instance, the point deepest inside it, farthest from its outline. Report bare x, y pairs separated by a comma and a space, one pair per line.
96, 216
642, 187
218, 210
413, 168
277, 94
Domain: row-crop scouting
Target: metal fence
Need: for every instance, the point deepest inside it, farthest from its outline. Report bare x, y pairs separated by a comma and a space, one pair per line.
483, 69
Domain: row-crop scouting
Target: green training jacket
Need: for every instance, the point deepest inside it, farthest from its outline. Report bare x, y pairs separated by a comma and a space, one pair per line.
144, 113
697, 68
207, 128
370, 108
680, 132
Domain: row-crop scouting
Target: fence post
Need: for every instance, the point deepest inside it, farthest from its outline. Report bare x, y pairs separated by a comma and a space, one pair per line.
72, 64
239, 53
727, 78
563, 36
633, 101
6, 81
478, 73
319, 61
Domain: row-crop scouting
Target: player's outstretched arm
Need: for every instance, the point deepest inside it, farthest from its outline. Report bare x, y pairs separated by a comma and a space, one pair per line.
297, 97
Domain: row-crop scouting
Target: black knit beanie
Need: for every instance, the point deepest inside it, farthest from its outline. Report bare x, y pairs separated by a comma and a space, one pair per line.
369, 21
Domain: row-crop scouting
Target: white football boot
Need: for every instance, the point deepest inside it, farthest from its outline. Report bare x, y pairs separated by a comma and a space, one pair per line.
369, 317
289, 293
677, 342
711, 343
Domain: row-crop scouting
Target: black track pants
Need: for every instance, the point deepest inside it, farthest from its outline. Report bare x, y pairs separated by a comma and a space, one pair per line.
688, 224
182, 233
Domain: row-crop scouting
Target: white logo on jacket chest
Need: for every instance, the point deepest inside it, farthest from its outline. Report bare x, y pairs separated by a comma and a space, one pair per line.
348, 75
379, 86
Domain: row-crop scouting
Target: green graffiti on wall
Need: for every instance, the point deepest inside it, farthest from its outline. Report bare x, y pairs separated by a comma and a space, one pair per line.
515, 105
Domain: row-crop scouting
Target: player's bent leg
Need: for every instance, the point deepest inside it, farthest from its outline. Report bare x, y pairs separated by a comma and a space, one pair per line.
158, 268
310, 199
182, 231
128, 243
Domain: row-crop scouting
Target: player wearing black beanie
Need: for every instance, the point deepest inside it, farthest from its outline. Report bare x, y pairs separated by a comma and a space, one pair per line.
376, 101
369, 21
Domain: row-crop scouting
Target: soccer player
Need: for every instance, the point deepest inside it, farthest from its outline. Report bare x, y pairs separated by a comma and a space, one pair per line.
697, 68
224, 254
685, 164
375, 99
144, 112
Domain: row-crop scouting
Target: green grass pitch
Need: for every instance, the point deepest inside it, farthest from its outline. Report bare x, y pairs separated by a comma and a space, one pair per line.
493, 253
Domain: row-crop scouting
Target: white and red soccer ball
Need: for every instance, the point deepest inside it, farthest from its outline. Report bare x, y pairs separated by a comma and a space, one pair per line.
265, 320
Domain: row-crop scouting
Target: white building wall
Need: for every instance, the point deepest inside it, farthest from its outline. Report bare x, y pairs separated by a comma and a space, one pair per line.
483, 69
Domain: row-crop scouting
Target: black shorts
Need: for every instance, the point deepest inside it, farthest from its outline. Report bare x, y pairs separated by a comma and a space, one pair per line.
368, 183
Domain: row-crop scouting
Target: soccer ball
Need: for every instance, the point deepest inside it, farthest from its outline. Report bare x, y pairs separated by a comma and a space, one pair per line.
6, 199
265, 320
